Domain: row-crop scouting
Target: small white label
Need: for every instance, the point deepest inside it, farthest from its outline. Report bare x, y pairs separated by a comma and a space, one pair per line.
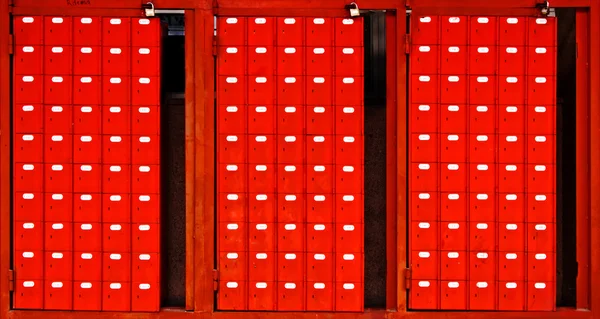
424, 78
424, 137
348, 198
424, 196
483, 20
483, 50
512, 20
540, 227
260, 50
289, 21
232, 226
482, 226
319, 198
482, 284
318, 50
424, 225
232, 285
424, 254
424, 284
482, 138
231, 80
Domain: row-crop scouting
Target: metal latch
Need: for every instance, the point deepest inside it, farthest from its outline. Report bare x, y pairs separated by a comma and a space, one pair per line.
354, 10
544, 7
149, 9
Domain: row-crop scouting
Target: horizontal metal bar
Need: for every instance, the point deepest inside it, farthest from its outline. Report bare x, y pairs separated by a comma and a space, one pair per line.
169, 11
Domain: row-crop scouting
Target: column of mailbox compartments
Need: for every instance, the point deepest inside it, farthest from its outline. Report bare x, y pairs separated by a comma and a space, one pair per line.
482, 163
86, 163
290, 164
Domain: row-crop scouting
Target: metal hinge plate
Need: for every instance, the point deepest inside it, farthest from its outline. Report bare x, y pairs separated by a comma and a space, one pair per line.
407, 278
214, 46
11, 44
215, 280
11, 280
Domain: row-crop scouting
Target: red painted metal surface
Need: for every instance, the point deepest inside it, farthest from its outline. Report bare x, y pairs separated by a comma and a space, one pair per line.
583, 159
199, 147
290, 172
86, 162
482, 186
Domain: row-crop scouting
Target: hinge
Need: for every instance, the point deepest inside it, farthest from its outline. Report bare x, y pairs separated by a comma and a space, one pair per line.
407, 278
11, 44
214, 45
407, 43
215, 280
11, 280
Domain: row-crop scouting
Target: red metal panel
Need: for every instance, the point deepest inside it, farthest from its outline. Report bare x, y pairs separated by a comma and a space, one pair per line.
73, 162
482, 177
290, 163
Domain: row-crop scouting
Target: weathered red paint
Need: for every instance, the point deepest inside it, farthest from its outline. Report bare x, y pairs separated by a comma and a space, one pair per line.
583, 162
200, 148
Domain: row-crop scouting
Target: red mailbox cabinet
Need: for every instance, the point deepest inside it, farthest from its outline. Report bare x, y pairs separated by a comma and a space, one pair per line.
86, 163
481, 150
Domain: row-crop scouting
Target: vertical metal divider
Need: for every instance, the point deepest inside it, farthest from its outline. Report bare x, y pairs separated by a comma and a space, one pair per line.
438, 159
524, 205
275, 121
467, 107
496, 139
334, 104
246, 228
43, 164
72, 107
101, 107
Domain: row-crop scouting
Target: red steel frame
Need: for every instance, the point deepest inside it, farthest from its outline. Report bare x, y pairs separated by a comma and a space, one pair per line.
200, 146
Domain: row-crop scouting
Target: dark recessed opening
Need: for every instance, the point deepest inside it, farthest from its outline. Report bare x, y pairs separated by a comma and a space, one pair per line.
173, 163
375, 160
566, 245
